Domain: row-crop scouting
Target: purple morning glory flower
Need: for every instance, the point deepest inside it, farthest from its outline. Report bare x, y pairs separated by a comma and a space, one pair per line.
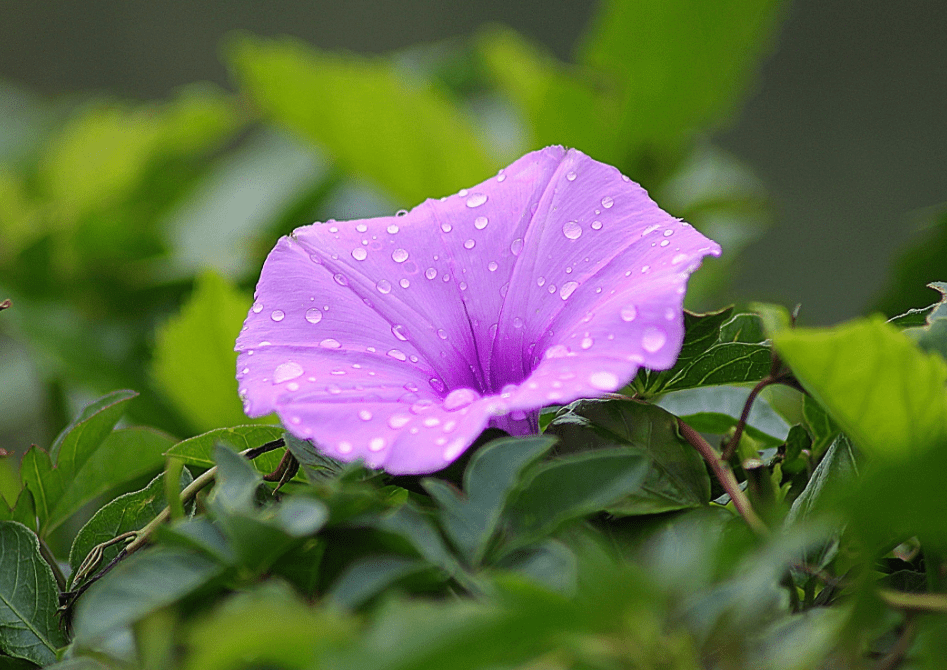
398, 339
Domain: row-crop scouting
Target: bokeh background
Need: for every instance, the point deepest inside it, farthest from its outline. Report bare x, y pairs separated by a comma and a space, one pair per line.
830, 157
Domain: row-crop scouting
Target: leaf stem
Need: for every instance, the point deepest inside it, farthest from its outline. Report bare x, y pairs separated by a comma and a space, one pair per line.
51, 560
724, 474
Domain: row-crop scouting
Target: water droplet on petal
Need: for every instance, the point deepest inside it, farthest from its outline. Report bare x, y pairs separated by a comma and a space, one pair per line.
453, 450
516, 246
441, 333
492, 266
504, 289
278, 315
397, 421
344, 447
664, 243
376, 444
286, 371
397, 355
362, 228
459, 398
437, 385
257, 307
462, 192
364, 415
431, 421
330, 343
607, 202
292, 386
476, 200
670, 314
629, 313
668, 232
500, 176
557, 351
430, 273
567, 289
678, 259
587, 343
653, 339
645, 269
383, 286
540, 281
492, 331
570, 176
313, 315
446, 227
517, 322
572, 230
603, 381
481, 222
596, 225
399, 255
469, 244
404, 283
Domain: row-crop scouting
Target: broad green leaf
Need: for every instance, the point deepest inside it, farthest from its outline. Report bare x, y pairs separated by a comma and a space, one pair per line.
124, 455
84, 435
883, 391
365, 578
837, 469
29, 627
403, 134
268, 626
313, 462
743, 328
675, 475
717, 409
574, 486
820, 425
44, 482
725, 363
139, 585
681, 66
415, 527
562, 103
550, 563
195, 363
237, 482
128, 512
199, 533
469, 520
200, 450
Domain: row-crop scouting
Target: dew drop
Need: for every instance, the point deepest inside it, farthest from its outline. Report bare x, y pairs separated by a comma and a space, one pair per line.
397, 355
330, 343
516, 246
293, 386
287, 371
400, 332
517, 322
344, 447
492, 266
257, 307
570, 176
567, 289
340, 279
587, 343
376, 444
441, 333
504, 289
462, 193
664, 243
670, 314
397, 421
364, 415
359, 254
596, 225
650, 229
431, 421
313, 315
469, 244
668, 232
446, 227
481, 222
492, 331
453, 450
629, 313
476, 200
278, 315
540, 281
645, 269
500, 176
557, 351
572, 230
404, 283
607, 202
430, 273
399, 255
678, 259
653, 339
437, 385
603, 381
400, 212
383, 286
460, 398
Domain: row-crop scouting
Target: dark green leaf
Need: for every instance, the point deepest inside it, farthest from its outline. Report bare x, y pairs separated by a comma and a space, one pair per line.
199, 533
550, 563
200, 450
820, 425
406, 136
743, 328
676, 477
415, 527
43, 481
84, 435
836, 470
717, 409
126, 513
574, 486
493, 472
725, 363
313, 462
237, 482
139, 585
367, 577
29, 627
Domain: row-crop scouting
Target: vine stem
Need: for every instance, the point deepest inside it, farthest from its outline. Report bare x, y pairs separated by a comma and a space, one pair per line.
724, 475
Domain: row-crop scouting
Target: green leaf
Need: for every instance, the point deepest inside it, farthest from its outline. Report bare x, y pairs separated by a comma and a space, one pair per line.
268, 626
200, 450
820, 425
837, 469
87, 431
676, 477
718, 409
128, 512
492, 474
415, 527
681, 67
237, 482
141, 584
29, 627
195, 362
403, 134
313, 462
881, 389
43, 481
365, 578
124, 455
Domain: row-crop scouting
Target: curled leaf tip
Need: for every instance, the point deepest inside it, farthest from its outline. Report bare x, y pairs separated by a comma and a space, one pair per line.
398, 339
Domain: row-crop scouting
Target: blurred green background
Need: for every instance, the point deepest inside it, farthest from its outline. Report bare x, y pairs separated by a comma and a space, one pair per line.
143, 145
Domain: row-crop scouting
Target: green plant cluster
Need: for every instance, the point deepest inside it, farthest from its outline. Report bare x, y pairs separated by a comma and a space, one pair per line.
776, 500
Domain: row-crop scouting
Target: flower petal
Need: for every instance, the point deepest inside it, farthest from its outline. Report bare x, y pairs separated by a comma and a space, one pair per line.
554, 280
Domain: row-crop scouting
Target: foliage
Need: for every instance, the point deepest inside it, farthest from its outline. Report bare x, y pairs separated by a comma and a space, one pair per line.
774, 500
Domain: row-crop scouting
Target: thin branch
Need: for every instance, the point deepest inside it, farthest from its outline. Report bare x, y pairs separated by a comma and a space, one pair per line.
725, 476
915, 602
